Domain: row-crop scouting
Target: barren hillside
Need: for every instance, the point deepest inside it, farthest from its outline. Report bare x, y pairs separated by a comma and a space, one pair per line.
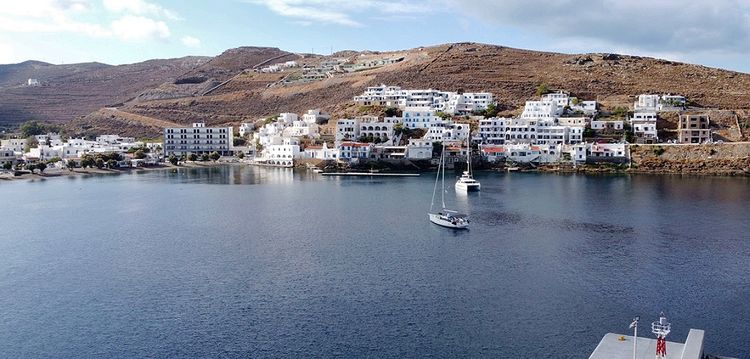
511, 74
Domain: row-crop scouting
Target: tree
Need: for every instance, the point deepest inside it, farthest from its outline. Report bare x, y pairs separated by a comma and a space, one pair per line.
241, 155
112, 164
71, 165
31, 167
54, 160
543, 89
589, 132
41, 166
630, 137
31, 142
392, 112
204, 157
139, 154
32, 128
99, 162
173, 160
443, 115
239, 141
192, 157
8, 165
491, 111
87, 161
214, 156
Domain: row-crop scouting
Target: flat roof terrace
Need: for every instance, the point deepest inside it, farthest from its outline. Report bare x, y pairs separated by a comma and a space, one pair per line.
613, 347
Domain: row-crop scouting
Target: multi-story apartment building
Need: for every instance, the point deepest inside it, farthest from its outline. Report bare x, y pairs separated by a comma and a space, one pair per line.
198, 139
420, 117
444, 101
694, 129
347, 129
644, 126
491, 131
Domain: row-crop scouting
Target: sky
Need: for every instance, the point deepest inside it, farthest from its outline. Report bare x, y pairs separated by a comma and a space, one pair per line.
714, 33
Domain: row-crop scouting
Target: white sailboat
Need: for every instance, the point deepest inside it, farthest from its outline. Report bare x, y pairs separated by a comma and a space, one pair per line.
445, 217
467, 183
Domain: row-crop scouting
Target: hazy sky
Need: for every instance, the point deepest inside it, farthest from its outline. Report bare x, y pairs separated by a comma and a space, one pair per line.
714, 33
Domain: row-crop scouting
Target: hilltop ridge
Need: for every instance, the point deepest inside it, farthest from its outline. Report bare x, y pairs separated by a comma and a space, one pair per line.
228, 89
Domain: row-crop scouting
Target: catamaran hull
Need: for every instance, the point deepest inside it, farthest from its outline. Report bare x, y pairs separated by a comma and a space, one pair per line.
467, 187
440, 221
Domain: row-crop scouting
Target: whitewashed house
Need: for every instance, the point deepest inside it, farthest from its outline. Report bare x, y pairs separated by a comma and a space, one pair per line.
541, 110
646, 103
618, 125
644, 126
322, 152
347, 129
419, 149
282, 151
421, 117
246, 128
315, 117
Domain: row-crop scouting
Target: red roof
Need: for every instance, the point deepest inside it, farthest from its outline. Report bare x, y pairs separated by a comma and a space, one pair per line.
493, 149
354, 144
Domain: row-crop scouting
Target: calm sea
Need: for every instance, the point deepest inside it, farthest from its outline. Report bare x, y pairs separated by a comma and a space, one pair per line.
243, 262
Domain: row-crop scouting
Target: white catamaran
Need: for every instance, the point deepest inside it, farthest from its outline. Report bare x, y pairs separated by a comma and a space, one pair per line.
467, 183
445, 217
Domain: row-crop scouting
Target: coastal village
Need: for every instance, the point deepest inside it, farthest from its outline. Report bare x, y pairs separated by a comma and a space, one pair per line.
555, 129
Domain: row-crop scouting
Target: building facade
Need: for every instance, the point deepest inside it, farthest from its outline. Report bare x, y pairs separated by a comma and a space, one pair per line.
694, 129
198, 139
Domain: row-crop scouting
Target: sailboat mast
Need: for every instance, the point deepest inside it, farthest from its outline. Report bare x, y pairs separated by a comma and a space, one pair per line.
442, 161
437, 178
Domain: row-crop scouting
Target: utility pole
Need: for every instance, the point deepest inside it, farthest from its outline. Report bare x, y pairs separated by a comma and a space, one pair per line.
634, 326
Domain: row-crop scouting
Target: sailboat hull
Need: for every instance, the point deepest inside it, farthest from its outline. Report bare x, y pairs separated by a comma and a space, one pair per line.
467, 187
448, 222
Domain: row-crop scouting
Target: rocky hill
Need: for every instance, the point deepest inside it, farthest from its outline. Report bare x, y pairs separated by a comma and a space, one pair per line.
222, 91
69, 91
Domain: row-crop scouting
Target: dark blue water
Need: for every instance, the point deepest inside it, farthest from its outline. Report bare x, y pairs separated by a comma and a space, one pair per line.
252, 263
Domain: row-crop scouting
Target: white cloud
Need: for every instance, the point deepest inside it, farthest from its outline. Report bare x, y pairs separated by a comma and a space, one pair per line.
139, 28
664, 26
342, 12
190, 41
139, 7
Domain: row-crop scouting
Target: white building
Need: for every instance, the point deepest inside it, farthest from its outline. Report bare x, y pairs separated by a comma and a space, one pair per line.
382, 130
287, 118
607, 152
315, 117
420, 117
446, 130
51, 139
347, 129
7, 156
419, 149
14, 144
644, 126
445, 101
301, 129
114, 139
355, 151
282, 151
654, 103
608, 125
541, 110
32, 82
246, 128
322, 152
198, 139
491, 131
